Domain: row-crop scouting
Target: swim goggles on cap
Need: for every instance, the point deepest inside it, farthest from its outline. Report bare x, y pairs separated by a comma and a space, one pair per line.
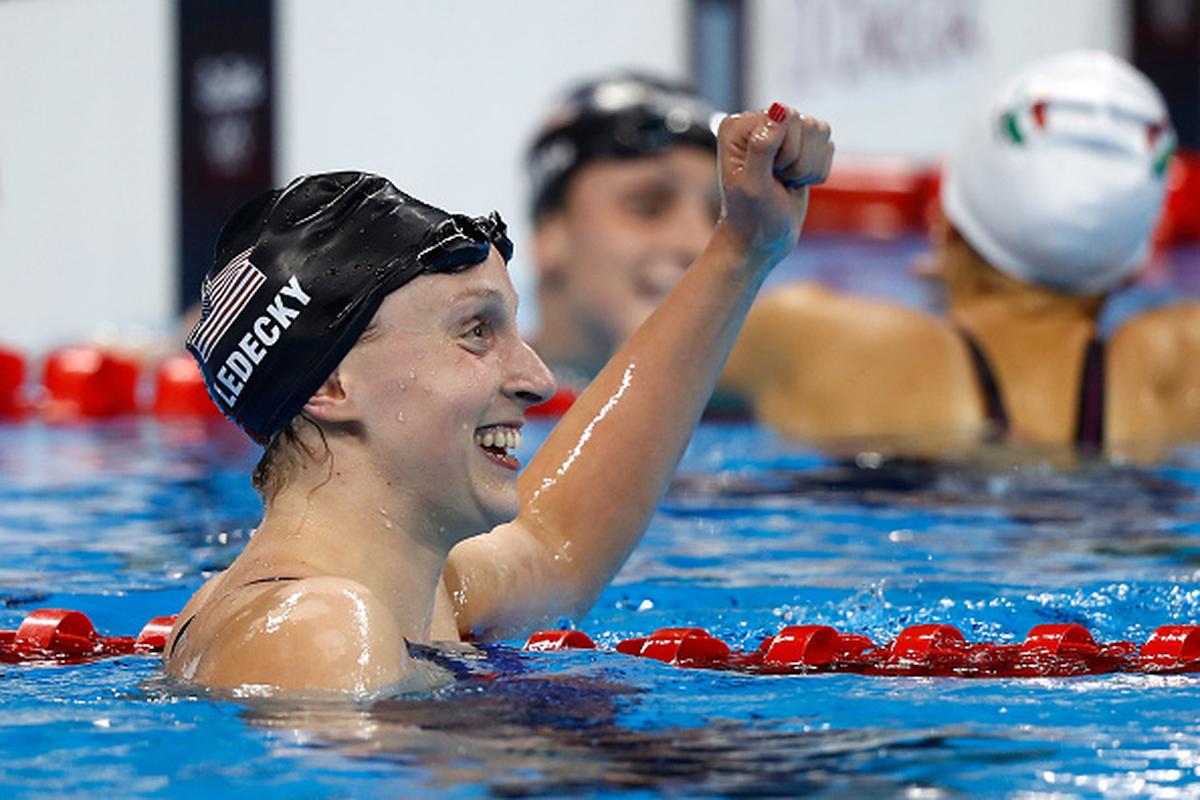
624, 117
462, 240
300, 273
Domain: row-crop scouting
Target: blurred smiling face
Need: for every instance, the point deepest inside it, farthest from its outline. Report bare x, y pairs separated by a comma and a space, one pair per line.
627, 230
440, 384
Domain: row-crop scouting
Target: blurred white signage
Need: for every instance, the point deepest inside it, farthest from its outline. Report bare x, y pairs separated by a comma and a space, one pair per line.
838, 44
895, 77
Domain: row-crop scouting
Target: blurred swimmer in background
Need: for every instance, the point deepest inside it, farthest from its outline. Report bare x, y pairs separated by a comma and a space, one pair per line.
1049, 203
369, 341
624, 196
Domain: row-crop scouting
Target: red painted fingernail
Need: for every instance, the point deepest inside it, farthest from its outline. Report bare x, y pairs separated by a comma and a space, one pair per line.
777, 112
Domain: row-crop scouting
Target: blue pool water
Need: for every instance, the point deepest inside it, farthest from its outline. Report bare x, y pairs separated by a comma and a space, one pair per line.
124, 521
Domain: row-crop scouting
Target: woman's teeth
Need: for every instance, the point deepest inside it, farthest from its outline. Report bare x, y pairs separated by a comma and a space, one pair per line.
500, 438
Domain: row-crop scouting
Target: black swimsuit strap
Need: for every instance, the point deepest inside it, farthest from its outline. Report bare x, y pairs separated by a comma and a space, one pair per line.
997, 414
275, 579
1089, 423
183, 628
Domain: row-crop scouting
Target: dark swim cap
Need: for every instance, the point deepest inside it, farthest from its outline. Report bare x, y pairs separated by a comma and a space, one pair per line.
622, 116
298, 274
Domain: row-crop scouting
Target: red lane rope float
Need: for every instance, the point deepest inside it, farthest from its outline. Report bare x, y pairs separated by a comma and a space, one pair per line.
12, 378
89, 382
880, 198
919, 650
179, 389
556, 406
61, 636
1180, 220
85, 382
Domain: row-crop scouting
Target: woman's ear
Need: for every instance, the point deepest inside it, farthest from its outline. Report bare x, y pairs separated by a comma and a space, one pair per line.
331, 402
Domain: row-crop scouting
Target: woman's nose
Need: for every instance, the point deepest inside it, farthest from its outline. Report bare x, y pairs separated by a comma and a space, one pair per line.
531, 381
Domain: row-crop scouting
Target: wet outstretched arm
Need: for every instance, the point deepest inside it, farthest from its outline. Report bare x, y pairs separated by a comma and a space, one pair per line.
589, 493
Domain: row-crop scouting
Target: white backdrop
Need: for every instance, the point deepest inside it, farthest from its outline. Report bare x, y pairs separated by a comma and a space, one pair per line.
441, 96
86, 173
894, 77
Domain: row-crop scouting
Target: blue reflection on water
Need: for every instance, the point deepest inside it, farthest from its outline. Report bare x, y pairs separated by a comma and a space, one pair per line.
125, 521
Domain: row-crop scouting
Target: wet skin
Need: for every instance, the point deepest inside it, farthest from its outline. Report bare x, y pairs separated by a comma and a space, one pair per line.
378, 517
441, 363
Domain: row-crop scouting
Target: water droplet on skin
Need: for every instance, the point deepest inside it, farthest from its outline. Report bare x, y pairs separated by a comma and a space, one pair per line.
403, 386
400, 417
412, 374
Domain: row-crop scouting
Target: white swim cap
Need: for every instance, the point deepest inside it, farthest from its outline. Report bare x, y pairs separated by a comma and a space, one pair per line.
1060, 180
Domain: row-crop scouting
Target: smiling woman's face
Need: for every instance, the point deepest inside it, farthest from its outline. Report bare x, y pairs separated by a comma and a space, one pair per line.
440, 385
626, 232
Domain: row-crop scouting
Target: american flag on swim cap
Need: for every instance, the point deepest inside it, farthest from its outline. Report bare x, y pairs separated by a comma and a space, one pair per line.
222, 298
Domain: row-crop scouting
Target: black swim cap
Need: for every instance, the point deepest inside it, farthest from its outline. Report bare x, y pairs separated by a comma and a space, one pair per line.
622, 116
298, 274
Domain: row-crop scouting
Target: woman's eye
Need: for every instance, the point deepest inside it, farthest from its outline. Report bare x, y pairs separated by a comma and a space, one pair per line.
649, 204
480, 331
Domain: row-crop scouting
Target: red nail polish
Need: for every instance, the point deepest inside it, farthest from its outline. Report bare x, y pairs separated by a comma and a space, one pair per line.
778, 112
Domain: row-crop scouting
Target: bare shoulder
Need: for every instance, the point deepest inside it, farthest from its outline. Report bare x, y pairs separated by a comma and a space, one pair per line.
1169, 336
801, 327
320, 633
820, 365
1154, 368
807, 307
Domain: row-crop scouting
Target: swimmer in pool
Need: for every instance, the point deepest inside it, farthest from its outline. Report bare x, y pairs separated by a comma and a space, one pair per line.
369, 341
624, 196
1049, 204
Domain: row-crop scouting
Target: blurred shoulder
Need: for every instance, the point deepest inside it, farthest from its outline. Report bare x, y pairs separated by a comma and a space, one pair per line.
814, 304
1159, 349
319, 633
1154, 374
1171, 332
809, 320
816, 363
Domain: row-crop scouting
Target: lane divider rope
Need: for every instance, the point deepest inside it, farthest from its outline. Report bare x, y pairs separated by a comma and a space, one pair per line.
63, 636
919, 650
